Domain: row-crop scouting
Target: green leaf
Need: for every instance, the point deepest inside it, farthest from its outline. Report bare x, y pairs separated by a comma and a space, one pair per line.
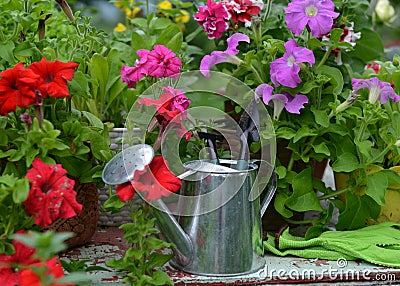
160, 278
6, 52
302, 133
365, 148
357, 211
369, 47
347, 162
303, 197
281, 172
392, 176
171, 37
314, 231
21, 191
160, 23
321, 117
138, 41
25, 49
113, 204
157, 260
322, 149
140, 22
377, 184
285, 133
279, 204
93, 120
99, 71
335, 35
336, 77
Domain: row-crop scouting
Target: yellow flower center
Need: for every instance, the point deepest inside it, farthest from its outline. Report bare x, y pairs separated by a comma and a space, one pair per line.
311, 11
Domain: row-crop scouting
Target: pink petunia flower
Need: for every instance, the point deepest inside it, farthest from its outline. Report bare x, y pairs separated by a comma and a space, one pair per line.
285, 71
243, 10
131, 75
213, 18
227, 56
317, 14
162, 62
378, 90
292, 104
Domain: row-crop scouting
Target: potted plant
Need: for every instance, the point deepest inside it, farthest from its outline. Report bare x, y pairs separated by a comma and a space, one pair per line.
52, 155
304, 63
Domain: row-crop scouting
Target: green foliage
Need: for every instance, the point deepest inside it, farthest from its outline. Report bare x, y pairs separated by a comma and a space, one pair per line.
143, 256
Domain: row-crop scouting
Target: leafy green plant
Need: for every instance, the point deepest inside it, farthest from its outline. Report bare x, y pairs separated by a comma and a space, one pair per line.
143, 257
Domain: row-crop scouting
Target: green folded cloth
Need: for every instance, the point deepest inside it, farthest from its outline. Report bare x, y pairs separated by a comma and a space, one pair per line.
378, 244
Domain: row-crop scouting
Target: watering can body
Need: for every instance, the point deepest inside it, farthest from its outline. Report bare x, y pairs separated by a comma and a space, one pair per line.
220, 232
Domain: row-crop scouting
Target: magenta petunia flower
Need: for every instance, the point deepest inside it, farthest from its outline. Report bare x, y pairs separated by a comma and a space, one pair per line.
131, 75
285, 71
162, 62
243, 10
213, 18
378, 90
317, 14
292, 104
227, 56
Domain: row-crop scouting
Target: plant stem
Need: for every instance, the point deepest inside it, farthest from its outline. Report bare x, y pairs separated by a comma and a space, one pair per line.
325, 57
291, 162
268, 10
257, 74
300, 221
376, 158
334, 194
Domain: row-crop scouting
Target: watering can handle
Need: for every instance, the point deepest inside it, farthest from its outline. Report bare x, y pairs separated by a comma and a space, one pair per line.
270, 194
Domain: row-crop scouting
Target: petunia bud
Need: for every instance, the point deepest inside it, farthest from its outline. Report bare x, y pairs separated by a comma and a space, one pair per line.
385, 11
67, 10
397, 143
26, 118
349, 101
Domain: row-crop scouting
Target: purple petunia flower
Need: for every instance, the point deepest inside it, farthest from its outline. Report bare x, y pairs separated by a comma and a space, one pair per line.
377, 89
285, 70
292, 104
318, 14
227, 56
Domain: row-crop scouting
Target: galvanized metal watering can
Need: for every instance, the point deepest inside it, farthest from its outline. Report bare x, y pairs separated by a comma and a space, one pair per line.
216, 228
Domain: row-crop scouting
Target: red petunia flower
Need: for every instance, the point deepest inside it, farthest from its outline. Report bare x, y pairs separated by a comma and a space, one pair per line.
51, 195
172, 103
125, 191
11, 265
53, 76
243, 10
52, 267
13, 92
155, 181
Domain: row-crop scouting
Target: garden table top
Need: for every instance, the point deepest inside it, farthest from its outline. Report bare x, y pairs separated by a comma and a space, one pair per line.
107, 243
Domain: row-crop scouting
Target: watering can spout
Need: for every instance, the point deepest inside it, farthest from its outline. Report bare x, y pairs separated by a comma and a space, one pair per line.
174, 233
